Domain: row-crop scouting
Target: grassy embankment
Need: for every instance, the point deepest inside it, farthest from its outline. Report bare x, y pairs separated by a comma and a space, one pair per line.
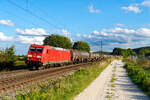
140, 73
65, 88
16, 66
19, 65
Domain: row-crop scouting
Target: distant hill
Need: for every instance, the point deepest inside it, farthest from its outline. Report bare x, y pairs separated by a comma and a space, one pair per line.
138, 49
141, 51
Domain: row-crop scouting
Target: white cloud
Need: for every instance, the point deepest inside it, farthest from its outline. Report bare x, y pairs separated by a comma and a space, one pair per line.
7, 22
37, 31
146, 3
116, 31
143, 31
118, 37
90, 36
65, 32
92, 10
136, 7
32, 31
85, 36
5, 38
78, 35
30, 40
95, 32
133, 8
22, 39
120, 25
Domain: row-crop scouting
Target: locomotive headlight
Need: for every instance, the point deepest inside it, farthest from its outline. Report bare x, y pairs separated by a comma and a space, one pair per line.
29, 55
38, 56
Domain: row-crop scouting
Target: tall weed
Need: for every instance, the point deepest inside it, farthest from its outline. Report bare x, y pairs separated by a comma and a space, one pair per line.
139, 76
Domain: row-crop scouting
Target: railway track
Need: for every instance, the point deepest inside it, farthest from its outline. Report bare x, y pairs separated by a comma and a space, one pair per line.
12, 73
17, 81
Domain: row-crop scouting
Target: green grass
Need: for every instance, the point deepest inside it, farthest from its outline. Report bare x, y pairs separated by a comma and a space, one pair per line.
139, 75
109, 97
113, 79
112, 85
19, 63
65, 88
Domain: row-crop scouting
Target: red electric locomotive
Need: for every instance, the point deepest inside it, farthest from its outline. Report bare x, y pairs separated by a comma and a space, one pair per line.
39, 55
44, 55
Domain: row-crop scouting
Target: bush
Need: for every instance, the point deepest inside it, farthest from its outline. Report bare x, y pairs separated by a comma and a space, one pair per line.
7, 58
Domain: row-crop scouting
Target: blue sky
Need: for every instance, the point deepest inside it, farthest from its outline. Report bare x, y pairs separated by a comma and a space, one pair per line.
119, 23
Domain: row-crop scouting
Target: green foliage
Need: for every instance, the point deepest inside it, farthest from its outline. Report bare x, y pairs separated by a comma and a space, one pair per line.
19, 63
139, 76
58, 41
143, 51
123, 52
21, 57
7, 58
81, 46
65, 88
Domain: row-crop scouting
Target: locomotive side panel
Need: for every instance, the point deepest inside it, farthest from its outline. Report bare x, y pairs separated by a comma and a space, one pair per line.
55, 56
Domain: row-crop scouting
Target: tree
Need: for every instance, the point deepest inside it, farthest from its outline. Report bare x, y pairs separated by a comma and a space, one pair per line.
7, 58
143, 52
81, 46
130, 52
123, 52
117, 51
58, 41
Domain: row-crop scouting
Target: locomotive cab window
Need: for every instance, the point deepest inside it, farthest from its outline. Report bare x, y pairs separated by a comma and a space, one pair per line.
36, 49
32, 49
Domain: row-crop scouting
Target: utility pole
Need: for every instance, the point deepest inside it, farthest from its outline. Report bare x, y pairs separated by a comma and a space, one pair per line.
101, 47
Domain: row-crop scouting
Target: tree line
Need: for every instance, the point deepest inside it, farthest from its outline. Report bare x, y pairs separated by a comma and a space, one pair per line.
123, 52
128, 52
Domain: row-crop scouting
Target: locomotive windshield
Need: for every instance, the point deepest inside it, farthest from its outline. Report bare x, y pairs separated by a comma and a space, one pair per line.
36, 49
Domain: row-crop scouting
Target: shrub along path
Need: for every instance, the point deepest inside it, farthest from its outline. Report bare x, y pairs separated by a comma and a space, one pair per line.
113, 84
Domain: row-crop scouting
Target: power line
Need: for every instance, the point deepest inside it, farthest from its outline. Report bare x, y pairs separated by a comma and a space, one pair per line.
22, 18
50, 16
31, 13
34, 35
101, 47
45, 12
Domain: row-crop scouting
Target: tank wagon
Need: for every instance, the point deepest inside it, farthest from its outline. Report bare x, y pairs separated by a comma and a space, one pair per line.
44, 55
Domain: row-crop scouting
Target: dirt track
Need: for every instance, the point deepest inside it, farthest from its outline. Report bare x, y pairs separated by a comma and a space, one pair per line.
112, 84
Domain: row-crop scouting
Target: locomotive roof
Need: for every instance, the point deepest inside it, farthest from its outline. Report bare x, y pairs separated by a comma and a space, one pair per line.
55, 48
35, 45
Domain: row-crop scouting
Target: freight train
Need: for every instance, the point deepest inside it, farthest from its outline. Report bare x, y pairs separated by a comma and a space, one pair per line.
45, 55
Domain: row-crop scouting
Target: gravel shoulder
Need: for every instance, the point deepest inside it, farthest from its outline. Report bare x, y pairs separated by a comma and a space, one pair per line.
112, 84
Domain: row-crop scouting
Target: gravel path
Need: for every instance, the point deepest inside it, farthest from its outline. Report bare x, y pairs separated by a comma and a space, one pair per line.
112, 84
